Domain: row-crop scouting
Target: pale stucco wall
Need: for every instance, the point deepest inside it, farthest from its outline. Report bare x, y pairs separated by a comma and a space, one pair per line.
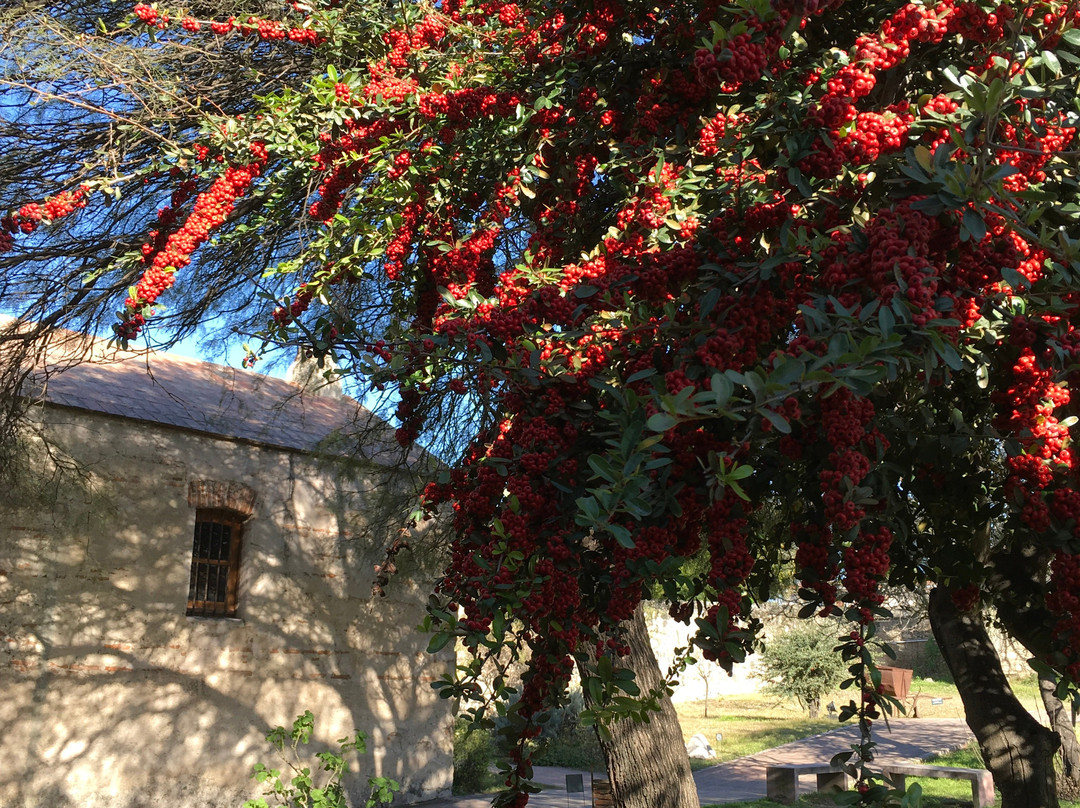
113, 697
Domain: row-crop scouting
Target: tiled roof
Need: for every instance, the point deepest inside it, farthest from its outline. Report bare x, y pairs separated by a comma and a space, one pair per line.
86, 373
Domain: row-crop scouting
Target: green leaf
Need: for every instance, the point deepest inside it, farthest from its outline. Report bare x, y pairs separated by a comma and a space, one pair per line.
755, 383
596, 692
886, 320
952, 358
622, 536
778, 421
1051, 61
973, 223
1016, 280
589, 506
438, 641
708, 303
604, 669
739, 473
602, 468
722, 388
661, 421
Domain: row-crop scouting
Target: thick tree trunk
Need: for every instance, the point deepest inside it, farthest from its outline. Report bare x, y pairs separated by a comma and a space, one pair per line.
647, 763
1022, 572
1061, 722
1018, 750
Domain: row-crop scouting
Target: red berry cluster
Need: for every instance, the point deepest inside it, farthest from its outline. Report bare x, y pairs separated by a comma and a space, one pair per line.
31, 216
264, 29
212, 208
866, 563
844, 425
150, 16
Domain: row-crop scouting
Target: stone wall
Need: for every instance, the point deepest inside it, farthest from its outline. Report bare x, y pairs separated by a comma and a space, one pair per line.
667, 635
113, 698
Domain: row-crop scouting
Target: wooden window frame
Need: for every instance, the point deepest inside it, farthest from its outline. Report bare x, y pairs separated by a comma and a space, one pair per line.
215, 608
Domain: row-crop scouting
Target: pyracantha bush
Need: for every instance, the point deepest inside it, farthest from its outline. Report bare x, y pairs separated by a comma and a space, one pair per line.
688, 257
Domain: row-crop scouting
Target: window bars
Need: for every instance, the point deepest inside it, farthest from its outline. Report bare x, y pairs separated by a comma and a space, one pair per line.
215, 564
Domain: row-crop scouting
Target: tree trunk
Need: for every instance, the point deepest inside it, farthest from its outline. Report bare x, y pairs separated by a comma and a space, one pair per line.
1018, 750
647, 763
1061, 722
1022, 572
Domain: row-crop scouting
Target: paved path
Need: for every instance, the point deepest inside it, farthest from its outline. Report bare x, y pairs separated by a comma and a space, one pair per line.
909, 739
744, 778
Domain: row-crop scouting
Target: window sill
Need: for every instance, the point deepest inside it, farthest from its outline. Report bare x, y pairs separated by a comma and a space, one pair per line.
198, 618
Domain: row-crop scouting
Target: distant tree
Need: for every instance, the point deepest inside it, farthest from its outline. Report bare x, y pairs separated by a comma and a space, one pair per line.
802, 664
705, 673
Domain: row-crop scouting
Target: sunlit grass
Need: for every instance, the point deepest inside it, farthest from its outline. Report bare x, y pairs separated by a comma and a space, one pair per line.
753, 723
749, 724
937, 792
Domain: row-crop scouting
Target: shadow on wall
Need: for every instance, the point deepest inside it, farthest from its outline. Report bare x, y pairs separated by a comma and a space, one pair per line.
113, 697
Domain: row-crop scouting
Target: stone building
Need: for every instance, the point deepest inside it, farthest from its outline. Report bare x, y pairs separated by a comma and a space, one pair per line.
186, 561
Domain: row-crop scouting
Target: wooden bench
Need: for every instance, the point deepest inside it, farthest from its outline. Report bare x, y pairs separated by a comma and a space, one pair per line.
982, 783
782, 780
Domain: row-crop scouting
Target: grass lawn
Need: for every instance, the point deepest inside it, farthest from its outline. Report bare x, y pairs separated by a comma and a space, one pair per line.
749, 724
955, 790
824, 800
753, 723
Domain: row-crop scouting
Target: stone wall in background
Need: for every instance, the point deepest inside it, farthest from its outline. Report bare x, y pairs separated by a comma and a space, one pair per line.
909, 635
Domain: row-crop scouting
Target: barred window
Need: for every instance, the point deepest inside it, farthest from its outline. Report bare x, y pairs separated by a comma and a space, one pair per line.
215, 563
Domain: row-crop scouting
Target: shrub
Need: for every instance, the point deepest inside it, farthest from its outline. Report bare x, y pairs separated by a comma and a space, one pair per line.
802, 665
567, 719
575, 749
565, 742
300, 790
473, 754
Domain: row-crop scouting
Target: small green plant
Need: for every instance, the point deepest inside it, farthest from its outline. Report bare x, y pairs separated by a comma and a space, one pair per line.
801, 664
300, 791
